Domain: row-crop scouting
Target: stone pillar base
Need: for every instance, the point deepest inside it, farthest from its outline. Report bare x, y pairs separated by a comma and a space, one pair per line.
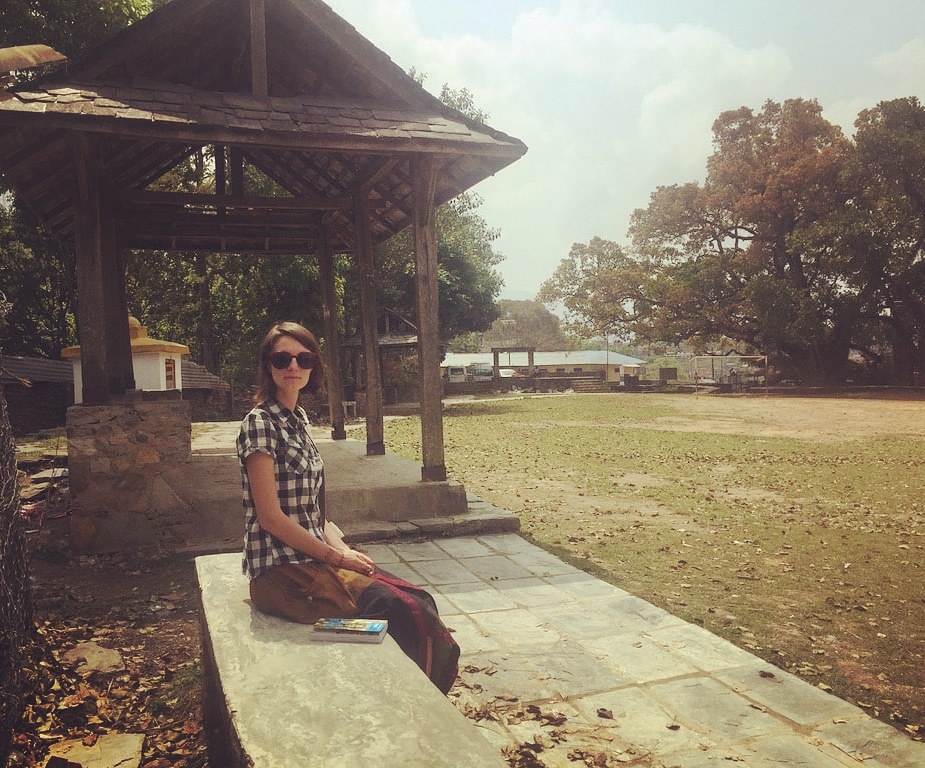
128, 469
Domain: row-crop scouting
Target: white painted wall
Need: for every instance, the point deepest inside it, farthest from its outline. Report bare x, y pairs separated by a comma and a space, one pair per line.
148, 368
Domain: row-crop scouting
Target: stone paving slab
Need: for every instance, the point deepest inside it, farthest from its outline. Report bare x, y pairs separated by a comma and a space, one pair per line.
536, 631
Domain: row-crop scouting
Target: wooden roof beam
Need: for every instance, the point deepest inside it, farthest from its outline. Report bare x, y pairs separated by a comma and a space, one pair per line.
229, 202
375, 174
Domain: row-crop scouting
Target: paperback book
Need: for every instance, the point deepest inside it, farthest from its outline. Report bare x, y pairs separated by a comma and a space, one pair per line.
350, 630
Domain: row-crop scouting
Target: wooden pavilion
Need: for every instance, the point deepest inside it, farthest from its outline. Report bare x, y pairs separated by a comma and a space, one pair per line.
287, 86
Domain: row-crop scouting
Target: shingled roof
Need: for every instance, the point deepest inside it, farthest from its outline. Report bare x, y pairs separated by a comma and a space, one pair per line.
319, 110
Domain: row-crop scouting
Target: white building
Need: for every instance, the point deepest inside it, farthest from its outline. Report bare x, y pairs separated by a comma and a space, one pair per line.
155, 363
609, 365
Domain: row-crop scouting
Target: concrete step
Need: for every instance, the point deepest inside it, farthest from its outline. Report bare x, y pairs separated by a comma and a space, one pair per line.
372, 498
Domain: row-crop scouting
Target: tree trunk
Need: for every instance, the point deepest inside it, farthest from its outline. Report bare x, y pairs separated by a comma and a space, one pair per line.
15, 596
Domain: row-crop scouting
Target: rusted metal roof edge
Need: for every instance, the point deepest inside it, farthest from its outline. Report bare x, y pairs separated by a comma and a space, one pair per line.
22, 57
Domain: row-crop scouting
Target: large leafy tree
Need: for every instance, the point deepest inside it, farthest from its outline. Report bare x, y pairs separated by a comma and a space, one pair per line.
38, 279
179, 295
467, 276
468, 280
885, 231
750, 254
525, 324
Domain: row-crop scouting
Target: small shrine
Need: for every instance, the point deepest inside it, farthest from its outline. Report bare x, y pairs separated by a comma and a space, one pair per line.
155, 363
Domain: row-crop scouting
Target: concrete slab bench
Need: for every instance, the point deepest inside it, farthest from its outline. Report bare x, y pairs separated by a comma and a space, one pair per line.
273, 698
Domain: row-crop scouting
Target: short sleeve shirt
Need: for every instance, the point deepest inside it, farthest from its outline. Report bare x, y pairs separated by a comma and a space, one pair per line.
283, 434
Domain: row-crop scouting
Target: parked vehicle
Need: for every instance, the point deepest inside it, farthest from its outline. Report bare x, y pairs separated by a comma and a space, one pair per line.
481, 371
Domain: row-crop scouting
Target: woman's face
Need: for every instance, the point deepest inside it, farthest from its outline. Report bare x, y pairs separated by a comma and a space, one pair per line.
293, 378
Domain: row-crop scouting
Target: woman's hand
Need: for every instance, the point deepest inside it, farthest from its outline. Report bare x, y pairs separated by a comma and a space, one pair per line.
357, 561
353, 560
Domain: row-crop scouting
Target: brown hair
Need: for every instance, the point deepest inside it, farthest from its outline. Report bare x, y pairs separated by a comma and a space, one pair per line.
266, 387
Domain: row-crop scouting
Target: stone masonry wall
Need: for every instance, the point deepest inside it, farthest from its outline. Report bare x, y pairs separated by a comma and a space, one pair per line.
129, 477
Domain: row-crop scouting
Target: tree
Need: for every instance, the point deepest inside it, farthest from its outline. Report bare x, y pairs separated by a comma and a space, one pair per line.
177, 296
750, 254
38, 278
70, 27
526, 324
468, 281
598, 285
15, 596
886, 231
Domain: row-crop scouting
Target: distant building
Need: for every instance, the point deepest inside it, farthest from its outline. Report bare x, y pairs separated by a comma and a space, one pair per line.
607, 365
38, 392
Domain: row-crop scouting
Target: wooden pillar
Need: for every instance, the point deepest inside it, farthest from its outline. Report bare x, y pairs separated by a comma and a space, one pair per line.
118, 338
258, 34
424, 179
102, 318
331, 337
375, 434
236, 171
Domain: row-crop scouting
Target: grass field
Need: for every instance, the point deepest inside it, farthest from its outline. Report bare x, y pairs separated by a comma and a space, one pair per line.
793, 527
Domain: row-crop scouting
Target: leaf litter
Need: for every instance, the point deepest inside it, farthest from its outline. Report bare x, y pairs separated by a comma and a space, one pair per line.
115, 650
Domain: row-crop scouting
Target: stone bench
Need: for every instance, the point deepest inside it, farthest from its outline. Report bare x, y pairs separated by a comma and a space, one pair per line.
274, 698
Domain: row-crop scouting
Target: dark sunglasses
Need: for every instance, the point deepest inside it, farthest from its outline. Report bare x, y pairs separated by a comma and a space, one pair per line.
281, 360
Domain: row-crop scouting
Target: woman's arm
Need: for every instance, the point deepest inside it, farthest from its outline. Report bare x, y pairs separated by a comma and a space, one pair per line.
332, 534
262, 478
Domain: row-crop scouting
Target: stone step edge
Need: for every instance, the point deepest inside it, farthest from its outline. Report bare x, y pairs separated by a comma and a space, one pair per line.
480, 518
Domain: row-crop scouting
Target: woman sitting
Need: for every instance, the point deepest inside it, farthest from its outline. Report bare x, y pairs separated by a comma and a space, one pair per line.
299, 566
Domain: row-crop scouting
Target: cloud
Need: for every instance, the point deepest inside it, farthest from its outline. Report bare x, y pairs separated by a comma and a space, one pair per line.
901, 69
609, 109
893, 74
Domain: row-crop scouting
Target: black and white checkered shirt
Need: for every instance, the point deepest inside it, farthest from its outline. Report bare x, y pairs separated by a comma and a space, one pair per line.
283, 434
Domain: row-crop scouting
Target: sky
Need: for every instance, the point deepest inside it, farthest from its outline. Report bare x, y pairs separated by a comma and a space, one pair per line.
615, 98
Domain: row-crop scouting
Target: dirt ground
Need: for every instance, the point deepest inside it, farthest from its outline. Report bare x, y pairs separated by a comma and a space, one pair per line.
815, 419
144, 607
